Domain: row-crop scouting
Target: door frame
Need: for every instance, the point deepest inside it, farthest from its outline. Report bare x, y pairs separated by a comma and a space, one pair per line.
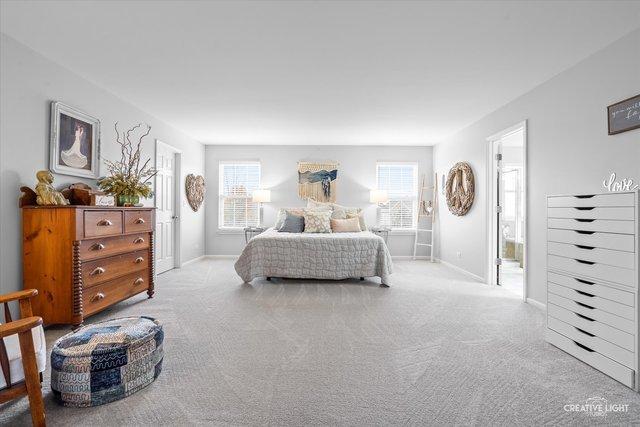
177, 197
491, 202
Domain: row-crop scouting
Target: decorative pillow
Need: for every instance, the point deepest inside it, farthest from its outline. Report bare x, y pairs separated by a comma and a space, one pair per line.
345, 225
360, 215
317, 221
282, 214
312, 204
292, 224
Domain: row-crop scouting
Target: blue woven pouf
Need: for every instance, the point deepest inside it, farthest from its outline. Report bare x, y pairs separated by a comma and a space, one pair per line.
106, 361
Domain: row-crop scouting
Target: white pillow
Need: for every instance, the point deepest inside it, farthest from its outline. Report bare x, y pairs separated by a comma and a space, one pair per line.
317, 221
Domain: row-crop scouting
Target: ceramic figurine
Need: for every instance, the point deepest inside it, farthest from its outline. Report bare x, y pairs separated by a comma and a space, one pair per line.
47, 195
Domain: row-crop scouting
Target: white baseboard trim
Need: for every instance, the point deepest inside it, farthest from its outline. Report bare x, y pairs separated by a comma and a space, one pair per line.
222, 256
408, 257
536, 304
461, 270
191, 261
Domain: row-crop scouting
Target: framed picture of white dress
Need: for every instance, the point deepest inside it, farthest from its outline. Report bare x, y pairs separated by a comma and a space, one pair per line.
75, 142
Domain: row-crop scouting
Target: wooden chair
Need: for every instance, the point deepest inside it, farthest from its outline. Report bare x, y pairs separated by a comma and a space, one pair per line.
30, 385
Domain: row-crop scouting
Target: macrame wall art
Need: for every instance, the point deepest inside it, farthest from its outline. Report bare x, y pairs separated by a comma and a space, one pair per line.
195, 191
460, 189
317, 181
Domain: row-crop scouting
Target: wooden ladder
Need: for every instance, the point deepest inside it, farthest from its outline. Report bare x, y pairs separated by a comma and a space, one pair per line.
426, 210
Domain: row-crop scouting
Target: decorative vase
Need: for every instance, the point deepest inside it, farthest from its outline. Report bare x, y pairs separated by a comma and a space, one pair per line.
127, 200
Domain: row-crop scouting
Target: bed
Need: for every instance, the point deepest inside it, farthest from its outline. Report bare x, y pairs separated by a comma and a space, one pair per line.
331, 256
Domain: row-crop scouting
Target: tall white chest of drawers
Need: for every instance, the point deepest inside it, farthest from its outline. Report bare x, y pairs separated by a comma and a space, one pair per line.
592, 281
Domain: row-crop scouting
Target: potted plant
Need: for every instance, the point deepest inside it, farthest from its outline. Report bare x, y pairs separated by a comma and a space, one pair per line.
128, 181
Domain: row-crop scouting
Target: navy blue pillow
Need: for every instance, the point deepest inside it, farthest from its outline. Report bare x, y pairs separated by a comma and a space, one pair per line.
292, 224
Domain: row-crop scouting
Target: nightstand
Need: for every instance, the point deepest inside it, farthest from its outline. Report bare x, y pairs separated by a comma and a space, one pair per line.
251, 232
382, 232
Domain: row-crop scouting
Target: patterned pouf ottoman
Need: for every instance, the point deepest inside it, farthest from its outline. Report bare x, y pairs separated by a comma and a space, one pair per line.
106, 361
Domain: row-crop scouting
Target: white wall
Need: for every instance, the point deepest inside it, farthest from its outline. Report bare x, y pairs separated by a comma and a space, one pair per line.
29, 82
569, 151
357, 175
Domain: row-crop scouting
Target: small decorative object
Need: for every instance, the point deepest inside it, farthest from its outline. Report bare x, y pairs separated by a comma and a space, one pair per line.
625, 184
46, 194
75, 142
106, 361
378, 197
317, 181
624, 115
195, 191
82, 194
102, 200
128, 180
460, 189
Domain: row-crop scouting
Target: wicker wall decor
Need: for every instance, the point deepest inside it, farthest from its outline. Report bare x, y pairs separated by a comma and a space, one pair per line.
194, 185
460, 189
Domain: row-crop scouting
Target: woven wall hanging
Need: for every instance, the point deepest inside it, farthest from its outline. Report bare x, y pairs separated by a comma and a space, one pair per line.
460, 189
195, 188
317, 181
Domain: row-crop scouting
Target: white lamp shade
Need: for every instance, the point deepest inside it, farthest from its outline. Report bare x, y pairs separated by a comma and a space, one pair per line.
378, 196
261, 196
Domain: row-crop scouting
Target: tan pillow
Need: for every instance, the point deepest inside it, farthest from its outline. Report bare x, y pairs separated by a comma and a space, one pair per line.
345, 225
360, 216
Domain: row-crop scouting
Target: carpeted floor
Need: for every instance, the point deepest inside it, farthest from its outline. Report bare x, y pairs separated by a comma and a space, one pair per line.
434, 348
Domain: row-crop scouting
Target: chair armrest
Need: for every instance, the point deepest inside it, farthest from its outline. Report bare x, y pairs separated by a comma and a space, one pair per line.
18, 326
20, 295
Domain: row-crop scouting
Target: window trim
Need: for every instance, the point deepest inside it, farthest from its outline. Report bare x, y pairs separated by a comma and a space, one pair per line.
414, 198
222, 229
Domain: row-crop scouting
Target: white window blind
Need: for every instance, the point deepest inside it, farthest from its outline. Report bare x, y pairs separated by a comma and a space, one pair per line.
400, 180
237, 182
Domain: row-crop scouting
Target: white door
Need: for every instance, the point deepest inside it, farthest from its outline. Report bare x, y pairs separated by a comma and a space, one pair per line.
166, 206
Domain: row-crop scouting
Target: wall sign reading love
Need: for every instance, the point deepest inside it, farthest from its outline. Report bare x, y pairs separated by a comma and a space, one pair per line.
625, 184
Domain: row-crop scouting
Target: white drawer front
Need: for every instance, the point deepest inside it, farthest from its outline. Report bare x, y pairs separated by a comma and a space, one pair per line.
623, 214
592, 287
624, 276
593, 300
591, 253
620, 242
602, 225
593, 342
593, 313
613, 335
598, 200
602, 363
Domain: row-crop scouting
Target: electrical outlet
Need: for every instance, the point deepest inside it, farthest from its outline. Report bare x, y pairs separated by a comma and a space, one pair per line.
459, 254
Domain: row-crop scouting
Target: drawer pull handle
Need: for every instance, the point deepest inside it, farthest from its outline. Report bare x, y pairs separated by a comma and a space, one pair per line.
584, 332
581, 261
138, 281
585, 247
584, 305
139, 221
97, 270
98, 296
105, 223
584, 293
584, 347
98, 247
139, 260
585, 317
584, 220
586, 282
584, 196
585, 208
584, 232
138, 240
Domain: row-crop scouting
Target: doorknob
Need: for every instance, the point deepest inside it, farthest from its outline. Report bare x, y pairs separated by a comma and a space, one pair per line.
175, 217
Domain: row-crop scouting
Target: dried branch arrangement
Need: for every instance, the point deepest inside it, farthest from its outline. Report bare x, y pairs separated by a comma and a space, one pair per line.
127, 177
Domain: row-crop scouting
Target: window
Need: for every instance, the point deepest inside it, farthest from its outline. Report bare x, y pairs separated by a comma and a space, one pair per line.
400, 180
237, 182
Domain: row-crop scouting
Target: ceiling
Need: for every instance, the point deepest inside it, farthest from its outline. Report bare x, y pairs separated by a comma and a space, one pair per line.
335, 73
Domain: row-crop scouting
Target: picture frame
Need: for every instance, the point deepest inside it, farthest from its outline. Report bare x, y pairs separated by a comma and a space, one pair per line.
74, 146
624, 115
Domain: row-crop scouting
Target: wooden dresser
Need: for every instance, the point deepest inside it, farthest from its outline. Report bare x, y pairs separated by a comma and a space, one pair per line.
83, 259
592, 281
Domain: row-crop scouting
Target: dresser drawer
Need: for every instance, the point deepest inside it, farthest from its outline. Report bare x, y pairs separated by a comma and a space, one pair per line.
614, 369
107, 246
597, 200
101, 270
593, 300
602, 225
624, 276
620, 214
614, 335
105, 294
102, 223
620, 242
593, 287
591, 253
135, 221
593, 342
593, 313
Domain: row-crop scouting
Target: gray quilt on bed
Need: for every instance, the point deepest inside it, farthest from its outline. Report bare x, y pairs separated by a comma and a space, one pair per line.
315, 256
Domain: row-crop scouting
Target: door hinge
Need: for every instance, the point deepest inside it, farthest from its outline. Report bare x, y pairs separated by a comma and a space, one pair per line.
498, 261
499, 156
498, 209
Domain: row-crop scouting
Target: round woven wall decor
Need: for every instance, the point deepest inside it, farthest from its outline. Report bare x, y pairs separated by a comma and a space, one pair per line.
460, 188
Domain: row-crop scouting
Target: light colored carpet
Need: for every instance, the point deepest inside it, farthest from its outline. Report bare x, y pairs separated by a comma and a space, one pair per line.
434, 348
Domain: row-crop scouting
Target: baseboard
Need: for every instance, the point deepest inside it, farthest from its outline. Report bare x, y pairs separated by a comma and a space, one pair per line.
222, 256
461, 270
536, 304
191, 261
409, 257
